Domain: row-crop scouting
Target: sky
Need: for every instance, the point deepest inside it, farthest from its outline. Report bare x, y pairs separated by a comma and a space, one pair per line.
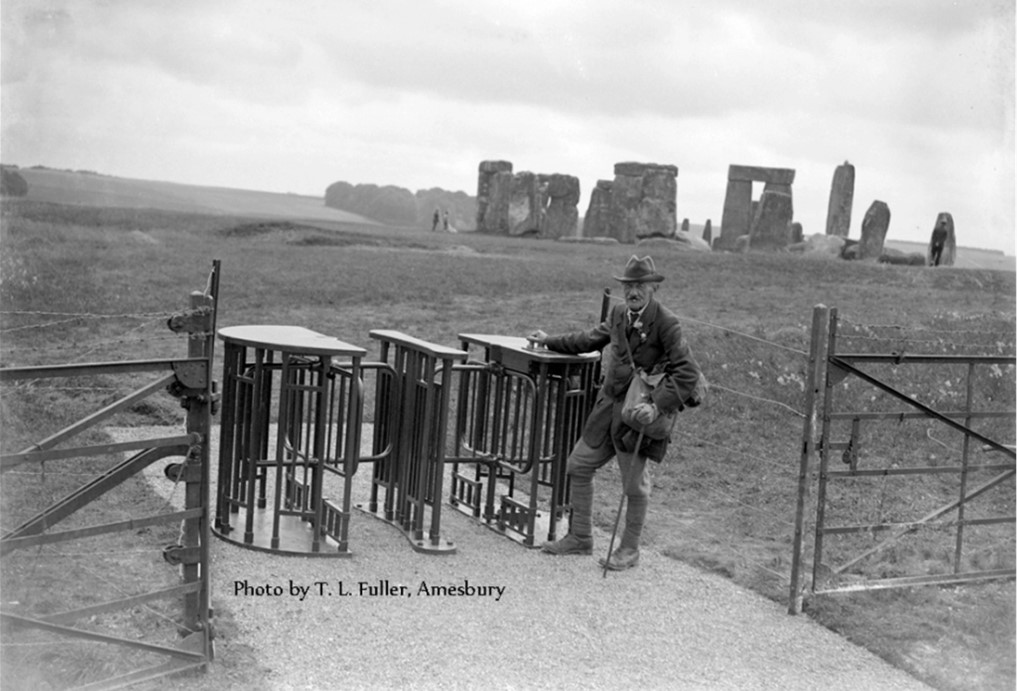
293, 95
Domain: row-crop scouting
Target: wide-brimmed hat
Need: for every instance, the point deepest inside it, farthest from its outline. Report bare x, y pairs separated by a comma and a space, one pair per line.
640, 271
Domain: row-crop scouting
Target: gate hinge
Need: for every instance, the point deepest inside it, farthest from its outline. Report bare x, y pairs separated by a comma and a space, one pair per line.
183, 472
192, 375
192, 321
178, 554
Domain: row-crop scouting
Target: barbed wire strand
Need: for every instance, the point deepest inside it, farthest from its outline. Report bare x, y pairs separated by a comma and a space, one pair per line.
56, 347
744, 335
866, 325
757, 398
90, 315
31, 382
684, 317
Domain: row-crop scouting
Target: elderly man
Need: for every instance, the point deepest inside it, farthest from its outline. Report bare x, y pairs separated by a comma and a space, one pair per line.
643, 334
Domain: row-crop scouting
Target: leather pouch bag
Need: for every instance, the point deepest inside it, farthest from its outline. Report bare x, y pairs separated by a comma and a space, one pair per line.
639, 390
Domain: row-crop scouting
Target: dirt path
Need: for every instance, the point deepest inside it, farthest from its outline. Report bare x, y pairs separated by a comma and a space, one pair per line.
533, 621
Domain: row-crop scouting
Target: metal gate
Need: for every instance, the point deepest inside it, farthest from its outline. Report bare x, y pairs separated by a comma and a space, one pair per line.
188, 379
940, 521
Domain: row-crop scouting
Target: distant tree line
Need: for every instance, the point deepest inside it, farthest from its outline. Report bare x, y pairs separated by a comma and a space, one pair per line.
12, 184
398, 206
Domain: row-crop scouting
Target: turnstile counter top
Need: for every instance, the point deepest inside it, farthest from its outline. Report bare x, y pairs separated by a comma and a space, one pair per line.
519, 345
289, 339
434, 349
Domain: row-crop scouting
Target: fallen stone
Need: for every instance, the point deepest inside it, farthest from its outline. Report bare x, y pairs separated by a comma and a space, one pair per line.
591, 241
892, 256
831, 245
681, 242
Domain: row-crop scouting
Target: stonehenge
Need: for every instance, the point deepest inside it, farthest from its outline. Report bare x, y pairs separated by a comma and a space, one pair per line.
639, 203
526, 203
766, 222
842, 192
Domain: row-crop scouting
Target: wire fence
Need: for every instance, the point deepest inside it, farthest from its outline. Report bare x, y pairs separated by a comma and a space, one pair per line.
43, 581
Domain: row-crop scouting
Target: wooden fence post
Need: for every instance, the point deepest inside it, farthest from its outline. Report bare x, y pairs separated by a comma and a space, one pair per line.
198, 412
195, 532
813, 385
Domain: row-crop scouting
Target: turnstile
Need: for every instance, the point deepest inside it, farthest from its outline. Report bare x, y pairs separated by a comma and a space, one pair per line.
288, 490
519, 412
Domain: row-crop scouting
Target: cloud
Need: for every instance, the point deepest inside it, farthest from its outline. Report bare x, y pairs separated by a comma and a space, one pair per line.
917, 93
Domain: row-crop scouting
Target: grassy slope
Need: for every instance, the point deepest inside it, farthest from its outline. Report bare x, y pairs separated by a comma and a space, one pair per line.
100, 190
733, 457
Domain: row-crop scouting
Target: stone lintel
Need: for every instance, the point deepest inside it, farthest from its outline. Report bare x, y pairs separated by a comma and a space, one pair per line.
496, 166
778, 176
639, 169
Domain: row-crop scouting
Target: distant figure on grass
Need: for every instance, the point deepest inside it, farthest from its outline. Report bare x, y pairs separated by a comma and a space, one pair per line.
940, 233
445, 220
434, 222
641, 334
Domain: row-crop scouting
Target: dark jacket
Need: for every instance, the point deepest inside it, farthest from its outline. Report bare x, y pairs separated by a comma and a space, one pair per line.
657, 347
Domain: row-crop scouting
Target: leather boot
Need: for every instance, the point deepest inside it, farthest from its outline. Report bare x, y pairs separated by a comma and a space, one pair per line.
635, 517
580, 536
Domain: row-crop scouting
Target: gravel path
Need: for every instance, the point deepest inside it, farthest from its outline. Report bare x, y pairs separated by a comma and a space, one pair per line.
544, 623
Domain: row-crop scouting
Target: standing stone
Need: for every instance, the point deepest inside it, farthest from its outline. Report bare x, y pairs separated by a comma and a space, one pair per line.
524, 208
797, 234
874, 227
597, 222
494, 187
643, 200
771, 228
685, 225
708, 233
626, 195
842, 193
737, 217
561, 202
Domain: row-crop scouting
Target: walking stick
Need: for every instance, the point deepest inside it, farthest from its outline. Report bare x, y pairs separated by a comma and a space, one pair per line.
621, 503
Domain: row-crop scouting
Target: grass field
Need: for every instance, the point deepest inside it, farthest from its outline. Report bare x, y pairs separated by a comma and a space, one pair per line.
723, 500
